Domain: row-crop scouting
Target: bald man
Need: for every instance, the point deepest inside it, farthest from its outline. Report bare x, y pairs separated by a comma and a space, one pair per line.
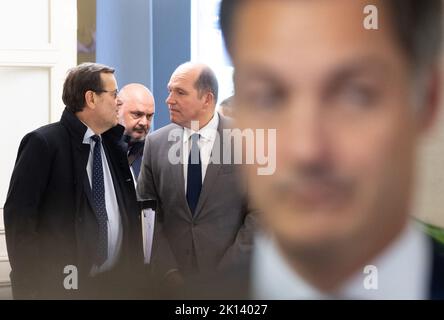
135, 114
203, 220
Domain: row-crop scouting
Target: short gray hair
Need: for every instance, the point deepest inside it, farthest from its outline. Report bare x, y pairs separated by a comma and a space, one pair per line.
207, 82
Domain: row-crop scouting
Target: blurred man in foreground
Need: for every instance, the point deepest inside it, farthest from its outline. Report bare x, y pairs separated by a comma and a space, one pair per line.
350, 105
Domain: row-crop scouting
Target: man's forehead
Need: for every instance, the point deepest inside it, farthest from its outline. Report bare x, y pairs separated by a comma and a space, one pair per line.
108, 78
300, 7
305, 22
138, 105
182, 78
305, 47
187, 72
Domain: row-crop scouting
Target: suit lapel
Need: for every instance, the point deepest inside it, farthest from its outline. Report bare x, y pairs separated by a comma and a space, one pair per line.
80, 154
177, 176
82, 183
210, 177
213, 168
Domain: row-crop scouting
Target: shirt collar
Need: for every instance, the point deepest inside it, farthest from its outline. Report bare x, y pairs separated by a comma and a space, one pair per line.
88, 134
208, 132
402, 272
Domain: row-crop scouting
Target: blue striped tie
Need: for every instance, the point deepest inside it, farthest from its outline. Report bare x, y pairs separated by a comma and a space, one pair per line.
98, 193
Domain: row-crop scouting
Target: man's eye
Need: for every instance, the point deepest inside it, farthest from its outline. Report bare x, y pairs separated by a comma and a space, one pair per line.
265, 98
358, 95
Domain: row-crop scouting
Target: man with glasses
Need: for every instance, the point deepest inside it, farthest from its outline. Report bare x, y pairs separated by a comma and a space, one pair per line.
71, 215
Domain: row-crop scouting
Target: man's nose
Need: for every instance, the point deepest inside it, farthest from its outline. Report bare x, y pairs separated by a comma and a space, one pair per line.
169, 100
119, 102
306, 133
143, 121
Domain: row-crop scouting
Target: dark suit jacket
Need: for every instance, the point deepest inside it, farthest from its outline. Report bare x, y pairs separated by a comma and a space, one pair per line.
235, 283
220, 231
49, 218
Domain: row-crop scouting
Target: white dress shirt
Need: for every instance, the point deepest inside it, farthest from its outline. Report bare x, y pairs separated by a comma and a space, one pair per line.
403, 272
207, 137
112, 207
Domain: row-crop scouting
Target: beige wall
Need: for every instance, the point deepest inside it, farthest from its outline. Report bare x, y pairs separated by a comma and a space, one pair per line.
86, 27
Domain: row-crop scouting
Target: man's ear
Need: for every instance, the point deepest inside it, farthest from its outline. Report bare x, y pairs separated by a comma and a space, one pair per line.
90, 99
209, 99
432, 101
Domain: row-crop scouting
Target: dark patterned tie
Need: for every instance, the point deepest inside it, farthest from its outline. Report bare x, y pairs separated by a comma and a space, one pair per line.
98, 193
194, 174
135, 152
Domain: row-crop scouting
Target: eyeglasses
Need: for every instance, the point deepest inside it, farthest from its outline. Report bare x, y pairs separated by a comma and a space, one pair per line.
113, 92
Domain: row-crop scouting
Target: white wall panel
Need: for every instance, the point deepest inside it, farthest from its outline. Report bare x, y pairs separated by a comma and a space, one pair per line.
38, 42
25, 23
25, 97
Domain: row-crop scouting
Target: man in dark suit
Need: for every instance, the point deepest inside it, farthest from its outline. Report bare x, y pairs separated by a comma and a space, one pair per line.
71, 215
135, 114
350, 90
203, 221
